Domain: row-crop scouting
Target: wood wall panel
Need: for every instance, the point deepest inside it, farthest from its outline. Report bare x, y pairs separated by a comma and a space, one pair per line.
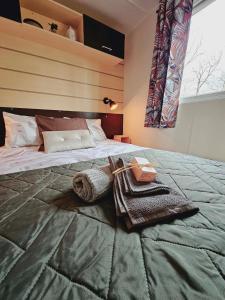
36, 76
13, 98
13, 60
39, 50
33, 83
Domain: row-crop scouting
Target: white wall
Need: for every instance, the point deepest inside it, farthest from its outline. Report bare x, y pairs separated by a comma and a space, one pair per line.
200, 128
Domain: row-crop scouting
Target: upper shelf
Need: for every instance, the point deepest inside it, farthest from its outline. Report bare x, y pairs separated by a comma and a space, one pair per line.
54, 40
93, 40
53, 10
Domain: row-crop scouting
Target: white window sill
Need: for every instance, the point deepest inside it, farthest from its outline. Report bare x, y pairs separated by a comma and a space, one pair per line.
204, 97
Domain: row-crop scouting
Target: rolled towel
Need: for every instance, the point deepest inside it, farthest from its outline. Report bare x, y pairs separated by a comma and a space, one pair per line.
92, 184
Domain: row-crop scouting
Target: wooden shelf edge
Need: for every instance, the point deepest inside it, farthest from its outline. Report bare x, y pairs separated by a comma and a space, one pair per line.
47, 38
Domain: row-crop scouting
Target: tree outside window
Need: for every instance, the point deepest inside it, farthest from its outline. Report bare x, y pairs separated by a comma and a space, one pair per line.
204, 70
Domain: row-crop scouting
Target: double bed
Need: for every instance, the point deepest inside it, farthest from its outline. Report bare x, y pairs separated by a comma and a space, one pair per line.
54, 246
29, 158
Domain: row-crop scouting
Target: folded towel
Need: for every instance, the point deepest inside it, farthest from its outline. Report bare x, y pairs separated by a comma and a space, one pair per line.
120, 210
92, 184
158, 208
148, 209
132, 187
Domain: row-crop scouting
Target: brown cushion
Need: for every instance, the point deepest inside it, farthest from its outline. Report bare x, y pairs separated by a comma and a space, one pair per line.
59, 124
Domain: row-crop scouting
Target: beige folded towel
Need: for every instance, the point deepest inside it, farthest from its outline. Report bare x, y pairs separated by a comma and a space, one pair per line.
92, 184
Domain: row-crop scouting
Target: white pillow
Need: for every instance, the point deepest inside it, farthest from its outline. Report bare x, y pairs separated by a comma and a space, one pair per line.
21, 131
55, 141
94, 125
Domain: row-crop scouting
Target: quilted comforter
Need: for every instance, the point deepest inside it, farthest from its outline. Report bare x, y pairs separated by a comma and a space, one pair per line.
52, 246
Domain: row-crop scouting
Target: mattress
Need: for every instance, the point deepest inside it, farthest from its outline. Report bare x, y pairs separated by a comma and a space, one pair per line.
28, 158
53, 246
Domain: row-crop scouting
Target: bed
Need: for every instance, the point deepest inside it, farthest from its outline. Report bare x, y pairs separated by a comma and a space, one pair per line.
53, 246
29, 158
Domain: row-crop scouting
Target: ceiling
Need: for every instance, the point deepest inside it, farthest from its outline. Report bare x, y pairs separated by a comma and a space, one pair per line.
123, 15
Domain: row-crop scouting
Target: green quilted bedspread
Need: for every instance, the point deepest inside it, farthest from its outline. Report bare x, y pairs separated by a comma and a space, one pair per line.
53, 246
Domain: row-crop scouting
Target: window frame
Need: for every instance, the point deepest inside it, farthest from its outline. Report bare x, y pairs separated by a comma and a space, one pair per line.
204, 97
198, 5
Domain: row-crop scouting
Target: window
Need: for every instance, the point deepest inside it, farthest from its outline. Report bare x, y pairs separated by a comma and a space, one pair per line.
204, 70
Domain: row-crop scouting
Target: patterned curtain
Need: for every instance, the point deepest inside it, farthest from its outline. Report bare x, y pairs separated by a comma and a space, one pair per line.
170, 47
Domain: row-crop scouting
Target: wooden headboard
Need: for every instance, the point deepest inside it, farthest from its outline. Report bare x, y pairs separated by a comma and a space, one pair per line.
111, 123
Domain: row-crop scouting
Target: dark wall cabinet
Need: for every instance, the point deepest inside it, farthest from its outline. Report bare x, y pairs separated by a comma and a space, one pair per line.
103, 38
10, 9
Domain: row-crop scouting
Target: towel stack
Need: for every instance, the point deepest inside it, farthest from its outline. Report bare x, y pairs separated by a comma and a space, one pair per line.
146, 203
138, 203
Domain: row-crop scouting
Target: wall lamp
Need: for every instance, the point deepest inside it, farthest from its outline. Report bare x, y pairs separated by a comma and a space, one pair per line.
113, 105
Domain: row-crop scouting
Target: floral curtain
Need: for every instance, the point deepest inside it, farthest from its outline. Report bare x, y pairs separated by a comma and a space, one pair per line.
171, 39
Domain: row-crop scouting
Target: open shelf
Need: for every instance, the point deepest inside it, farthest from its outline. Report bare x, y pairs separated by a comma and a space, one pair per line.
54, 11
47, 12
54, 40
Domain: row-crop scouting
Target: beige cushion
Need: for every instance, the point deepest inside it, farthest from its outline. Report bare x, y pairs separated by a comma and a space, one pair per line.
59, 124
55, 141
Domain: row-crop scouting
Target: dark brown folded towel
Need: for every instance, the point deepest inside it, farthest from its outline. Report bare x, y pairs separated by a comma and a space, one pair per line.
148, 209
117, 188
158, 208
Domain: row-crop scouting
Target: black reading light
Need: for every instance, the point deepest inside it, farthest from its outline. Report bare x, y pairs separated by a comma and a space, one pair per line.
113, 105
